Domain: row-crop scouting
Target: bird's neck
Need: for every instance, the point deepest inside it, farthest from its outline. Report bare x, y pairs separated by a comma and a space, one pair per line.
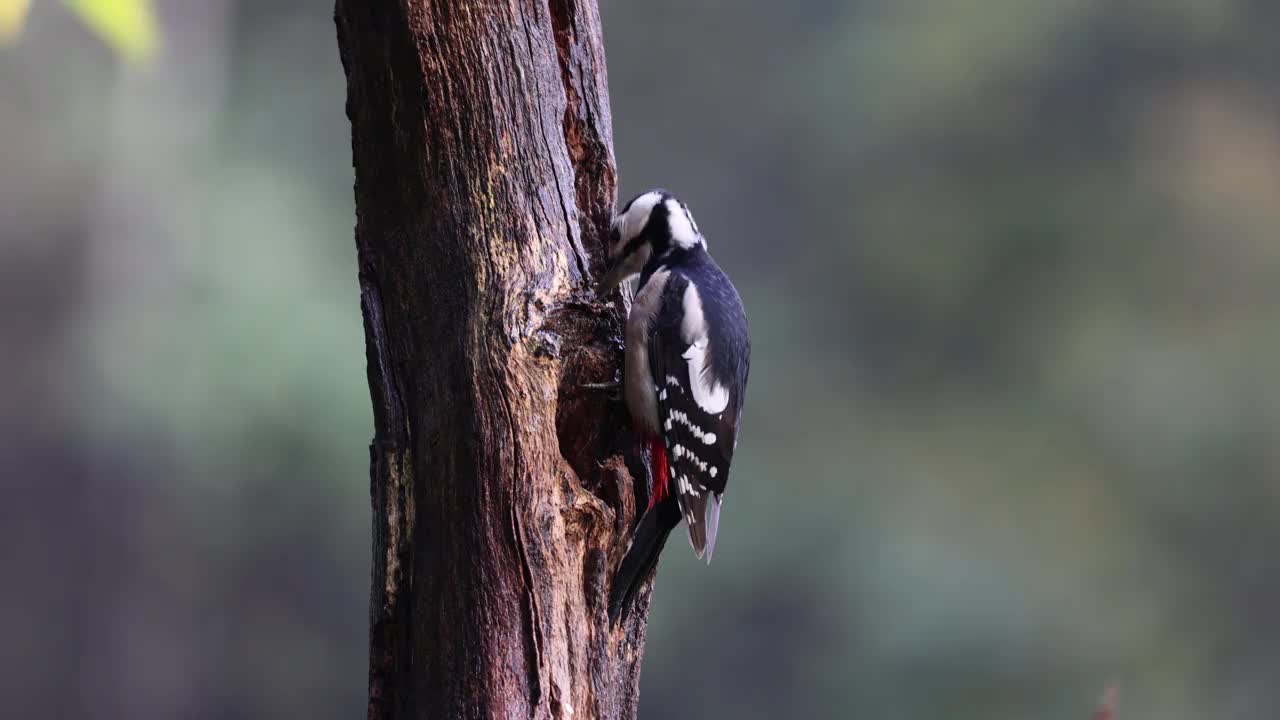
676, 257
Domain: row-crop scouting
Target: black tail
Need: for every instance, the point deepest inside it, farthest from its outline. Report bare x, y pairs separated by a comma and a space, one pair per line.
642, 556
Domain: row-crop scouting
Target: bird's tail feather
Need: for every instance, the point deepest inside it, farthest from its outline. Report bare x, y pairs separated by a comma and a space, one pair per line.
642, 557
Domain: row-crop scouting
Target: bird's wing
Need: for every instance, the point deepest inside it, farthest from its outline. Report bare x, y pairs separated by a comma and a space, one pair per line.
697, 412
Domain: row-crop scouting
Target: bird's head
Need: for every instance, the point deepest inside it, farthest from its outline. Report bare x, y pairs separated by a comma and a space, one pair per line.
653, 225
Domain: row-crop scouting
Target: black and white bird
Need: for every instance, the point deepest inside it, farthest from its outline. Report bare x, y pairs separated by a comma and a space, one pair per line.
684, 379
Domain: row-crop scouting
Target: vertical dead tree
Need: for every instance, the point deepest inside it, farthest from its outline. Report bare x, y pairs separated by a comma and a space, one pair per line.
501, 498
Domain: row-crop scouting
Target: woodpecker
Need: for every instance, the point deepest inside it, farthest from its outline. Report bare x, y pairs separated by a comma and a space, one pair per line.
686, 361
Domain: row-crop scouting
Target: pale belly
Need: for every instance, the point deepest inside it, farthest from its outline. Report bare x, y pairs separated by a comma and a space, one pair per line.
638, 385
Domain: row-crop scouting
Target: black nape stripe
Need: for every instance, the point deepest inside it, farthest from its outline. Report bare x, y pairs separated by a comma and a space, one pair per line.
648, 230
633, 244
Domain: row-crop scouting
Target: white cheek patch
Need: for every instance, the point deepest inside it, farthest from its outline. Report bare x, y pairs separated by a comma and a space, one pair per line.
631, 223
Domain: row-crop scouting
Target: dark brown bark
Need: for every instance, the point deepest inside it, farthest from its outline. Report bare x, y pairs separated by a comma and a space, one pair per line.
501, 491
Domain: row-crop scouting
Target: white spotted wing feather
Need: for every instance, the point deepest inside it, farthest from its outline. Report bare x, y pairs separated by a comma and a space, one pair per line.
697, 406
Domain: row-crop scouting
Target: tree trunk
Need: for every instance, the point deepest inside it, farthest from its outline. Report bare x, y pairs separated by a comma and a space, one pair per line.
502, 490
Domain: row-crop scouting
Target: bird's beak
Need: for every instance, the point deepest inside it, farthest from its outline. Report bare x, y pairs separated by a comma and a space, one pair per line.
612, 278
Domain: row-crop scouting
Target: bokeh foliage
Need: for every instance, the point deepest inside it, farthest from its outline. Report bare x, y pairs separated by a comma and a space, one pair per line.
128, 26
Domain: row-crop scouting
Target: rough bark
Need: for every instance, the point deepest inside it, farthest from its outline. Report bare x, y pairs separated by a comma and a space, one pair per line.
502, 491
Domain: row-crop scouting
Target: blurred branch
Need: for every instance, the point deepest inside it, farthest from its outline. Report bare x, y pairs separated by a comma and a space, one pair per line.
501, 490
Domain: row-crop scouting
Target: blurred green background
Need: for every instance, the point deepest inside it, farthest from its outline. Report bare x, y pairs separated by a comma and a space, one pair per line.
1013, 429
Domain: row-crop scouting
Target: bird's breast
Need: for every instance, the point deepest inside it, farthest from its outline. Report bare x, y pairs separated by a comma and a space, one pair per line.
641, 395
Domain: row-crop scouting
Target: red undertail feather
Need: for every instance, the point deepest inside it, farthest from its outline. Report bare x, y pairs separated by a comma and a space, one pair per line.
661, 472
